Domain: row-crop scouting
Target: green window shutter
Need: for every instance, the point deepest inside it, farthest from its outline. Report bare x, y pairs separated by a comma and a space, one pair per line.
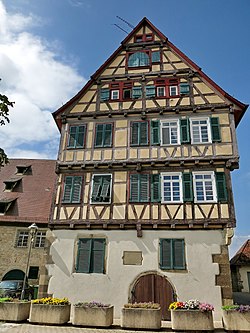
105, 189
98, 255
76, 192
68, 185
84, 256
221, 186
134, 188
155, 188
187, 181
155, 132
107, 140
156, 56
143, 133
96, 188
136, 92
166, 254
184, 129
144, 188
178, 253
134, 134
150, 91
99, 135
80, 136
105, 94
184, 88
215, 129
72, 136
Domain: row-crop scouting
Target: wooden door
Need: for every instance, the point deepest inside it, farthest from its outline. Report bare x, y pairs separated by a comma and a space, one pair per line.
154, 288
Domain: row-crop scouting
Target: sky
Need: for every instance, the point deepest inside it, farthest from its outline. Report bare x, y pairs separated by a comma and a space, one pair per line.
50, 48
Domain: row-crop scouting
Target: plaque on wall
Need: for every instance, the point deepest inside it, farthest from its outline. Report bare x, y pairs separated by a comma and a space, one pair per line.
132, 258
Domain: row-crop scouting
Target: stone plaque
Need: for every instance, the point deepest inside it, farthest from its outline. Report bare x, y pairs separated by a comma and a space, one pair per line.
132, 258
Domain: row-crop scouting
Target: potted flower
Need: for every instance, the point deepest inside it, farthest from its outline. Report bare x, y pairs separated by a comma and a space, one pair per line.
50, 310
192, 315
13, 309
236, 317
141, 315
92, 314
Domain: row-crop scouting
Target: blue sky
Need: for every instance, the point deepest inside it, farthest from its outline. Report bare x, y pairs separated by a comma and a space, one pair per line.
49, 48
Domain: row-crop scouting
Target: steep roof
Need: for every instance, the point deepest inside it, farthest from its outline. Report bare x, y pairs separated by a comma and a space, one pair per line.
238, 113
32, 191
242, 257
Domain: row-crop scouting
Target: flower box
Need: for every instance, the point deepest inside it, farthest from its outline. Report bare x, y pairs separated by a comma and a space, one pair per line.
92, 316
141, 318
14, 311
192, 320
49, 314
235, 320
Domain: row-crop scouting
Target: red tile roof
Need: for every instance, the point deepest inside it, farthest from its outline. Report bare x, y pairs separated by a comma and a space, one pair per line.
33, 192
242, 257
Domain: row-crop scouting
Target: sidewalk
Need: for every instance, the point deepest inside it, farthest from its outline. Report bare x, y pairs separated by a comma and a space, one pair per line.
30, 328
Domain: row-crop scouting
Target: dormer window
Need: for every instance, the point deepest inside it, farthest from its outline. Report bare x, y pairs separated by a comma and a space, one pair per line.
5, 205
10, 184
22, 169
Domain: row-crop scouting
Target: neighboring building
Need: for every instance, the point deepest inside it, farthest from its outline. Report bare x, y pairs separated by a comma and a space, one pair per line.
240, 268
144, 200
26, 189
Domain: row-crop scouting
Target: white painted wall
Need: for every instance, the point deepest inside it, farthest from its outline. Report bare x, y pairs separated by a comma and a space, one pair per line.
243, 276
198, 281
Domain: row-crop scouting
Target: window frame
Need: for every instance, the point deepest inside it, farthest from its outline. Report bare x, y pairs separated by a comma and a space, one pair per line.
112, 91
91, 189
71, 202
176, 90
148, 52
209, 134
41, 238
180, 187
103, 136
25, 234
77, 136
157, 91
178, 132
139, 144
213, 181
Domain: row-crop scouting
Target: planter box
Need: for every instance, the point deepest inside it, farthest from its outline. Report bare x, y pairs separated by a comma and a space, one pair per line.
141, 318
192, 320
234, 320
98, 317
14, 311
49, 314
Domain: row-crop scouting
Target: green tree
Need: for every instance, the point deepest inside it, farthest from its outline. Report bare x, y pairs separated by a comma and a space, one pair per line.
5, 104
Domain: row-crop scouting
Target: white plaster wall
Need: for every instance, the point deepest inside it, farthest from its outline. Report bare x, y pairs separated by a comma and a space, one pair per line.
243, 276
198, 281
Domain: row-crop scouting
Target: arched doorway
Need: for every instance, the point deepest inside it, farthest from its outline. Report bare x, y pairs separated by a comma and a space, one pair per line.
14, 274
154, 288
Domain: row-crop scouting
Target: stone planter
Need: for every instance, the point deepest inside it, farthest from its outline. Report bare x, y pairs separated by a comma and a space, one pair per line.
192, 320
49, 314
141, 318
236, 321
96, 316
14, 311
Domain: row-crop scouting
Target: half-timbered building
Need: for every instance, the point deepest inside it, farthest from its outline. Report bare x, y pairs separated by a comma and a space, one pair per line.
144, 207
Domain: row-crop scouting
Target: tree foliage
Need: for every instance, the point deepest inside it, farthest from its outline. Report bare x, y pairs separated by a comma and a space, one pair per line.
5, 104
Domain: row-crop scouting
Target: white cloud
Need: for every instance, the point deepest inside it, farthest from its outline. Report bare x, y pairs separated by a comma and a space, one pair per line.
37, 81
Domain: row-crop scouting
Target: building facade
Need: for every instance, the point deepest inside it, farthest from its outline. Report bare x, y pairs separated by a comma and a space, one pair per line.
144, 203
26, 188
240, 269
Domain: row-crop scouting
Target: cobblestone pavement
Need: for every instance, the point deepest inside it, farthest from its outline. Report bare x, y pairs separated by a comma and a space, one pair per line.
29, 328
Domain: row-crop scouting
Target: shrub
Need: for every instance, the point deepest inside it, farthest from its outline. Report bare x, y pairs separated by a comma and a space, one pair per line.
239, 308
6, 299
92, 304
51, 301
149, 305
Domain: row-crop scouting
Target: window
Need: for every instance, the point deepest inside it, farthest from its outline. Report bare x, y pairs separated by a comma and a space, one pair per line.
171, 187
103, 135
76, 136
115, 94
144, 188
22, 239
40, 239
144, 38
91, 254
101, 189
172, 254
139, 133
184, 88
200, 130
204, 187
173, 91
72, 189
33, 272
150, 91
170, 132
156, 56
161, 91
136, 92
104, 94
138, 59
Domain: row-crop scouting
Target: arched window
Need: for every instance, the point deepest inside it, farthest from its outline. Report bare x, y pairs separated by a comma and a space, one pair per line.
138, 59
